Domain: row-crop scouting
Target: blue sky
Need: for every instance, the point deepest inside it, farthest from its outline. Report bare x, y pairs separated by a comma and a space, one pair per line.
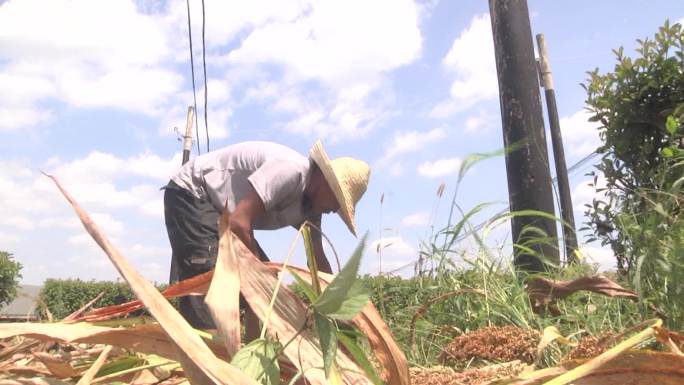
92, 92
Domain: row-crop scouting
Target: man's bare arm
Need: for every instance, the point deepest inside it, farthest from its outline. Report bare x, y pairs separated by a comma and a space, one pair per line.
248, 209
317, 241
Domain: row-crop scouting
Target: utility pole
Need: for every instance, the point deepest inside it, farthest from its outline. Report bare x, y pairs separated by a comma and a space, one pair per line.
529, 179
187, 138
569, 232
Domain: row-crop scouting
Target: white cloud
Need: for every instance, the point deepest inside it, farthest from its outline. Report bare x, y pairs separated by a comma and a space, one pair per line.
603, 257
419, 219
404, 142
471, 60
396, 252
338, 42
580, 137
17, 117
585, 193
77, 52
394, 245
441, 167
334, 56
480, 123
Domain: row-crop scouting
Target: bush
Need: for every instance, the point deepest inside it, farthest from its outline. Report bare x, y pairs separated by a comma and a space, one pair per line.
63, 297
9, 278
640, 106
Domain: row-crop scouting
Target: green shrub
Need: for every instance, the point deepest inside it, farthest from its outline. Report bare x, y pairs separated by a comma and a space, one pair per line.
9, 278
64, 296
640, 106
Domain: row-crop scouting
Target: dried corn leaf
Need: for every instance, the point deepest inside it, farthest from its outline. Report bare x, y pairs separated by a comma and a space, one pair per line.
631, 367
288, 320
223, 297
95, 367
83, 308
24, 370
674, 341
392, 360
33, 381
550, 335
56, 365
148, 339
200, 364
544, 292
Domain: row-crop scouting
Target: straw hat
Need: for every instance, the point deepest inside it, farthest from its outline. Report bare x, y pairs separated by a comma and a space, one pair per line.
348, 179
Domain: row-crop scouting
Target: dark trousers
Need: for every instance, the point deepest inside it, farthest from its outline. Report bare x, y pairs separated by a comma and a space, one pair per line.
192, 226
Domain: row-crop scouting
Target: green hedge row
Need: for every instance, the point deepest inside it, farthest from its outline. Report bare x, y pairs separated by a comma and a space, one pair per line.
64, 296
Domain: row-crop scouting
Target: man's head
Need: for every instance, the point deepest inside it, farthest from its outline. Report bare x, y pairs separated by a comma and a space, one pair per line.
336, 185
321, 197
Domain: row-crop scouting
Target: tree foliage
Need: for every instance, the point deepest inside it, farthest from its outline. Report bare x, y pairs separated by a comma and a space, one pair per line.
640, 108
9, 278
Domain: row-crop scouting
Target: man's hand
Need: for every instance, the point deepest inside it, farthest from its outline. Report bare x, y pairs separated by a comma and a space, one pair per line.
247, 210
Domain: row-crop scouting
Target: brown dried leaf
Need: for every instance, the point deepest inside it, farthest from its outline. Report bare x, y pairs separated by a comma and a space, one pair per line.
223, 297
56, 365
287, 319
33, 381
83, 308
393, 362
95, 367
394, 368
196, 356
544, 292
148, 339
632, 367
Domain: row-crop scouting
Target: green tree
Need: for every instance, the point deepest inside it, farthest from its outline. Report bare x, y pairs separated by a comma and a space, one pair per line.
9, 277
640, 108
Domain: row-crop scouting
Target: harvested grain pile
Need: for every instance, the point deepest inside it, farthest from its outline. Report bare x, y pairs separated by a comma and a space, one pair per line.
591, 346
496, 343
442, 375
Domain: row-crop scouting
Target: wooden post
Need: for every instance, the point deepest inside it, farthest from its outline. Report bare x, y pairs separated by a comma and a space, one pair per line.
527, 166
569, 232
187, 138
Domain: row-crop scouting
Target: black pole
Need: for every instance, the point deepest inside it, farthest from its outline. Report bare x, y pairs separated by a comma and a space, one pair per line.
569, 232
527, 166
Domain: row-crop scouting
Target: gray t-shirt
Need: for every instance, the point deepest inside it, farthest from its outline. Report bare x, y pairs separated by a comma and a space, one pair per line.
277, 173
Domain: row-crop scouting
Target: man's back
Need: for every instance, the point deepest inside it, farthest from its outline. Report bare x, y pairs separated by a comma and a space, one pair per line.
224, 176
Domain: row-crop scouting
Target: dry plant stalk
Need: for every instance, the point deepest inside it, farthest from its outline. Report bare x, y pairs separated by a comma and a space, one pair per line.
200, 363
223, 296
175, 339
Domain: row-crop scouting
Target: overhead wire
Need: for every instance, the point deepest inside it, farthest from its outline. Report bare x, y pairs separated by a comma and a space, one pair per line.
204, 64
192, 70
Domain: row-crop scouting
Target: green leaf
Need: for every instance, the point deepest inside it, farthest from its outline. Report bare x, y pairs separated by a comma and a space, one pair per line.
120, 364
327, 334
306, 286
356, 299
360, 358
337, 292
667, 152
671, 125
258, 360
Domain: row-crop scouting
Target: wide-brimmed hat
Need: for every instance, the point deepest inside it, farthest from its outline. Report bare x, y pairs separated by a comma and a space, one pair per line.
348, 179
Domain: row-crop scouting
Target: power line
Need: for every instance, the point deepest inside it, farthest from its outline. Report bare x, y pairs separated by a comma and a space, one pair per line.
204, 64
579, 164
192, 69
